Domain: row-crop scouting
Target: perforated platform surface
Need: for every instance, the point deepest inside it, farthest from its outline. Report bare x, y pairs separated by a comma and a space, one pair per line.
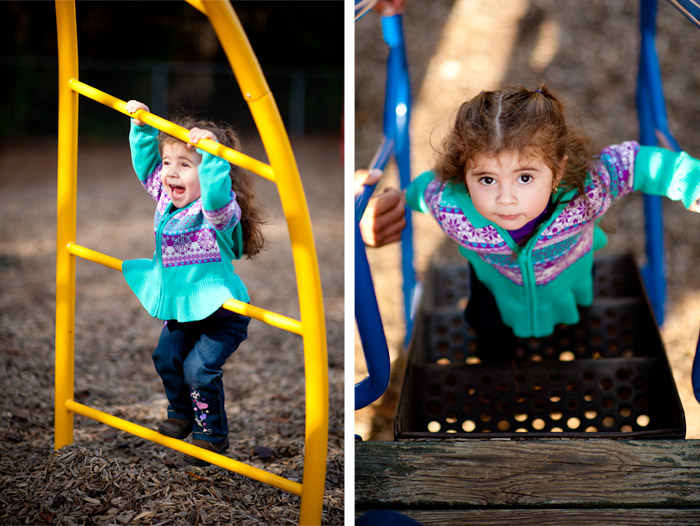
608, 376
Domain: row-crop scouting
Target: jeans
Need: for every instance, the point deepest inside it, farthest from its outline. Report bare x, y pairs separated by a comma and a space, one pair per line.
189, 359
496, 342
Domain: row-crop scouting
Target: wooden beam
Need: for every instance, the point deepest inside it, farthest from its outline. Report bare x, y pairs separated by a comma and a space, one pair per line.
556, 517
528, 473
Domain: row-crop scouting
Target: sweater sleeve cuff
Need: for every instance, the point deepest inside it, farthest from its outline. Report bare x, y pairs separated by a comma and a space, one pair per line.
142, 132
661, 172
415, 194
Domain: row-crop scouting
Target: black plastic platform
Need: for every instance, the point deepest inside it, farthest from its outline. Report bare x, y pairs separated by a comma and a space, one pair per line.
608, 376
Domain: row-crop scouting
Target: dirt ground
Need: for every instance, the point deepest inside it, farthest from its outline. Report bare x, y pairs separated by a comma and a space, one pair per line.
110, 477
588, 52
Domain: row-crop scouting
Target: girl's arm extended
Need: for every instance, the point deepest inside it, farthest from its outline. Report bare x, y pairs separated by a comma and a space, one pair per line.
143, 141
627, 167
219, 204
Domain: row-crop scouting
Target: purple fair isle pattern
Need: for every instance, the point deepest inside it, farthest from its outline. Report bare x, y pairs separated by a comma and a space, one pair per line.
456, 225
153, 184
565, 240
225, 216
615, 169
189, 238
190, 235
511, 270
161, 208
189, 248
187, 219
547, 269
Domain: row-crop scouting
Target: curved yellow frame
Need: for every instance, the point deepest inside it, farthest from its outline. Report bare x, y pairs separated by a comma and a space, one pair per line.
282, 170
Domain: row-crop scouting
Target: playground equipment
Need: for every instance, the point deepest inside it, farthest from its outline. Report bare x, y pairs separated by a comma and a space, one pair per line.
607, 377
395, 142
282, 170
653, 130
362, 6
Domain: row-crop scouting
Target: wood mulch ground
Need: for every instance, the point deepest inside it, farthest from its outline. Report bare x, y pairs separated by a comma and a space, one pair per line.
110, 477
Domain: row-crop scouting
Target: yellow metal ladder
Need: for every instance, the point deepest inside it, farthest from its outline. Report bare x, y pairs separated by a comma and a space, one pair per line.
282, 170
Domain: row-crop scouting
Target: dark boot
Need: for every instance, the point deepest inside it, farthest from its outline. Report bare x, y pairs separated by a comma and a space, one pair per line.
175, 428
216, 448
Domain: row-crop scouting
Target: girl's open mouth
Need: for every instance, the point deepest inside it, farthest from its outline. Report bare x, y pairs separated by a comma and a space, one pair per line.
177, 191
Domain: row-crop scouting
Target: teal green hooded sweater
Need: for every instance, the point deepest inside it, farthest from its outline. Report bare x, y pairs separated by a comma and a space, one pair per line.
548, 278
191, 273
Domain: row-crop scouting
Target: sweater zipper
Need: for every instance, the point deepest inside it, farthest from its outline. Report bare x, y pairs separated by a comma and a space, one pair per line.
527, 268
159, 234
528, 271
159, 248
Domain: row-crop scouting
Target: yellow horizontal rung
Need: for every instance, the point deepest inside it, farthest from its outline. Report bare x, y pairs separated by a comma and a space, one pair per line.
93, 255
213, 147
271, 318
189, 449
197, 4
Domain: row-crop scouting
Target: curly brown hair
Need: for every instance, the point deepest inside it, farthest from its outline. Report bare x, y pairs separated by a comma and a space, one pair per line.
520, 120
242, 182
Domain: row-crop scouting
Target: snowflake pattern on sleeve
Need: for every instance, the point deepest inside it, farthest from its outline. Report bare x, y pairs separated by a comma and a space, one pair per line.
226, 216
153, 183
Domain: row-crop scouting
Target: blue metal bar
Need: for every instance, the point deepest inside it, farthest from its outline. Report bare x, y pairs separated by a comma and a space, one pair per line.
362, 6
653, 126
690, 8
381, 157
696, 372
397, 107
396, 142
367, 316
369, 325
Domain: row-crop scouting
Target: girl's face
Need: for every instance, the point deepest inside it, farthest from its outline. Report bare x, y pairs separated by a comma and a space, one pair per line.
180, 173
510, 189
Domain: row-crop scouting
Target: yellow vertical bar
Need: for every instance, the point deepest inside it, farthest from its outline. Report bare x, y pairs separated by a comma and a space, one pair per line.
279, 152
310, 305
66, 218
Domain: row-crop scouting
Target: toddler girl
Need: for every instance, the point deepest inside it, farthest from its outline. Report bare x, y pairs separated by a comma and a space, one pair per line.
206, 216
519, 190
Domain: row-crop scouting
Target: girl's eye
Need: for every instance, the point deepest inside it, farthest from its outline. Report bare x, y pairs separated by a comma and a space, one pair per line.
525, 178
488, 181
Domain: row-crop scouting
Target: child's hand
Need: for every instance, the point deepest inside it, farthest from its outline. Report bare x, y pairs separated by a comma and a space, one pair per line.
384, 218
133, 106
695, 207
197, 134
389, 7
366, 178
